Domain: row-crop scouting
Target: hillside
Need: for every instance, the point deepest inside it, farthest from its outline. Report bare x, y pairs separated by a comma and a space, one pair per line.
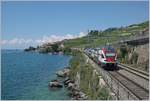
96, 38
126, 53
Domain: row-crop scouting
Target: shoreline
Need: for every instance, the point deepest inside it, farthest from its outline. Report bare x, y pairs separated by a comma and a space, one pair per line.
71, 78
64, 81
82, 81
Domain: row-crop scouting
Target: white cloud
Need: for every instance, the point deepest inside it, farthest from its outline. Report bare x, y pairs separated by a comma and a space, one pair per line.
44, 39
16, 41
55, 38
4, 42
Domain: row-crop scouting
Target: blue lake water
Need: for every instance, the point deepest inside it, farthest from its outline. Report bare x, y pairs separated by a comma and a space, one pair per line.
25, 75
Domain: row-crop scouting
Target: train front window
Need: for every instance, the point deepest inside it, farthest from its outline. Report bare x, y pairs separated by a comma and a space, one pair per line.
110, 54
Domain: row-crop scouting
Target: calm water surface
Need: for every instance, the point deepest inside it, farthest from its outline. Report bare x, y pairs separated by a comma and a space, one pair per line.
25, 75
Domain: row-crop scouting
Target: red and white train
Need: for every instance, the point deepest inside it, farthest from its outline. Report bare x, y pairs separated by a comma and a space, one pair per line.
106, 57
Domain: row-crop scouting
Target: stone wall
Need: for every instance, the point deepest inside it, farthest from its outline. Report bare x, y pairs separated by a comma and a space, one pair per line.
142, 56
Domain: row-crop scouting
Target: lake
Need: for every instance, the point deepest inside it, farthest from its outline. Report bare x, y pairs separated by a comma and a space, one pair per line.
25, 75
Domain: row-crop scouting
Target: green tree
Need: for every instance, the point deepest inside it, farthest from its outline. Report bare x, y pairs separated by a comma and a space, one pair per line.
55, 48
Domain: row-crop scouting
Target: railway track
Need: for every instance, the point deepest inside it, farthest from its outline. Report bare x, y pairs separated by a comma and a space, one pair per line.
140, 92
137, 72
135, 81
139, 77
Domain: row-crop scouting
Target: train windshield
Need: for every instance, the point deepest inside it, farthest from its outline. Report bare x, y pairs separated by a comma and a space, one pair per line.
110, 54
110, 51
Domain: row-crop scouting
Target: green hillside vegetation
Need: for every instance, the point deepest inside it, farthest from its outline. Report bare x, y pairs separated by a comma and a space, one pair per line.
96, 38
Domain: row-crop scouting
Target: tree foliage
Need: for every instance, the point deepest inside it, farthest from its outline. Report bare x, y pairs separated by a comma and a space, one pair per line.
55, 48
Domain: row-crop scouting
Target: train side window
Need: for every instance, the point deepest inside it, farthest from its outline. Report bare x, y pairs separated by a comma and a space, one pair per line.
102, 55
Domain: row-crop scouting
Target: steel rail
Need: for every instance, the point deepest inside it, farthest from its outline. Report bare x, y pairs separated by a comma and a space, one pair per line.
140, 92
140, 73
137, 90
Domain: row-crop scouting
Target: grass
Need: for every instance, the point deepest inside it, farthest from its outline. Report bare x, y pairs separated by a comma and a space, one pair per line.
89, 82
109, 35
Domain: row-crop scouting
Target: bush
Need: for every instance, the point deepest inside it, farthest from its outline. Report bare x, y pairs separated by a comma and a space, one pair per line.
30, 49
104, 94
134, 58
89, 83
123, 50
123, 53
55, 48
66, 50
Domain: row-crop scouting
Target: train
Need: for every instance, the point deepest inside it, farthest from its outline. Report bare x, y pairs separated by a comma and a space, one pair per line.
105, 56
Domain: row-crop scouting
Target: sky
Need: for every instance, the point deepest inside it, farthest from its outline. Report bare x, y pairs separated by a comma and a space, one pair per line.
32, 23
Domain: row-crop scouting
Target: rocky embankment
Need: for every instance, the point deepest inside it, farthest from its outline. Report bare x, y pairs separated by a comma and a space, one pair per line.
143, 56
138, 57
67, 82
